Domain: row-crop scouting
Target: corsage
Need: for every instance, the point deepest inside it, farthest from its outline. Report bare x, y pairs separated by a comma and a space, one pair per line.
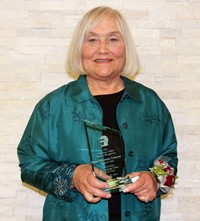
164, 174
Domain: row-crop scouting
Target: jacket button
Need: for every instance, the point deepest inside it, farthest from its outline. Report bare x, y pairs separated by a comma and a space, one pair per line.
130, 153
127, 213
125, 125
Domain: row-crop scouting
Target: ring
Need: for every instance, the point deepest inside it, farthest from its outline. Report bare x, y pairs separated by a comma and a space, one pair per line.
146, 199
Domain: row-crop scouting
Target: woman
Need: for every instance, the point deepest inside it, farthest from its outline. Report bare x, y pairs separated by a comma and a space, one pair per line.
53, 151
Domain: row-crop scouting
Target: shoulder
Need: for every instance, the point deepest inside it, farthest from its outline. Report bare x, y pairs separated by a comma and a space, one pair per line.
146, 91
58, 96
139, 90
146, 95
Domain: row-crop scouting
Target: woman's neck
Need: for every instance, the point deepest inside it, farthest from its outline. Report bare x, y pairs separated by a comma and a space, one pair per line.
100, 87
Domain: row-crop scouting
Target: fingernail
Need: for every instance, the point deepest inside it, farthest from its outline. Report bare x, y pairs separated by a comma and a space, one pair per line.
125, 190
108, 196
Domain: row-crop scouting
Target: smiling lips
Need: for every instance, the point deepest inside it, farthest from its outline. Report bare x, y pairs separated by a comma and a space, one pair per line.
103, 60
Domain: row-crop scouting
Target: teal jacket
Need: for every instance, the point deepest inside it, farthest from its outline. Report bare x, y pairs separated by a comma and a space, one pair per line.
54, 143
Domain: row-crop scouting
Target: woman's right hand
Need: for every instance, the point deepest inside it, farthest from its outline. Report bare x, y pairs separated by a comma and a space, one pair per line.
86, 182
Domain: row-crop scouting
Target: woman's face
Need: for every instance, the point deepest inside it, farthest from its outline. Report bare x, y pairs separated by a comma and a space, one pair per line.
103, 52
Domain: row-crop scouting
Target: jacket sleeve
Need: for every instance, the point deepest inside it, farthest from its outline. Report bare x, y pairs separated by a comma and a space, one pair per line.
169, 143
37, 168
169, 146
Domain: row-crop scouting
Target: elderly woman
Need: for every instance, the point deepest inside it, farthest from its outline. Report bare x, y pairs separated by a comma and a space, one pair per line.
53, 151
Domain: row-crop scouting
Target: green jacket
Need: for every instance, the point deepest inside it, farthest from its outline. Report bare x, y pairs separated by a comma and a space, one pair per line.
54, 143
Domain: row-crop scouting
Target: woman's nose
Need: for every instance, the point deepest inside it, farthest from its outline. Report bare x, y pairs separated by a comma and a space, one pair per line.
103, 47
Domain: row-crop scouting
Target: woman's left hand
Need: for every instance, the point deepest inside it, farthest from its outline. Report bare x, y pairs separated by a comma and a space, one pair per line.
145, 188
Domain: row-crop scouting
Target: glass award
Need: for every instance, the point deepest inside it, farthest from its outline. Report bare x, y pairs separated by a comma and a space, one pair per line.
105, 147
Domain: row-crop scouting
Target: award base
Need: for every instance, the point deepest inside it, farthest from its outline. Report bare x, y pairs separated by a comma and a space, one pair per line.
119, 184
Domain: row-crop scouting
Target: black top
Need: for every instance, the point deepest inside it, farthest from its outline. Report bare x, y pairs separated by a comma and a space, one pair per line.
109, 104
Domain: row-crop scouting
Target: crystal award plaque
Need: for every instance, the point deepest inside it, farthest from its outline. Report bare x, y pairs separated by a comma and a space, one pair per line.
105, 149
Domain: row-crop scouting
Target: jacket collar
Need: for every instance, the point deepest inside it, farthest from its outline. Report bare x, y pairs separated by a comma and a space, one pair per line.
132, 89
80, 91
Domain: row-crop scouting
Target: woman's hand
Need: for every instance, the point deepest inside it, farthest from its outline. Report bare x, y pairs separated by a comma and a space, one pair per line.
88, 185
145, 188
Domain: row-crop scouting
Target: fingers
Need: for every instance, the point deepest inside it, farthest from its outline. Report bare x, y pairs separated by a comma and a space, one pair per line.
145, 188
94, 195
88, 185
102, 175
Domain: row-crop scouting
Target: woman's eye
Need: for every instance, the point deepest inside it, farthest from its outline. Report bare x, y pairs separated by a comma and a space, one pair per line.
93, 40
113, 40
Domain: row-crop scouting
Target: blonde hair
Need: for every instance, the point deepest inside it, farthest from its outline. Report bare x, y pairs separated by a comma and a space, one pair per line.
88, 22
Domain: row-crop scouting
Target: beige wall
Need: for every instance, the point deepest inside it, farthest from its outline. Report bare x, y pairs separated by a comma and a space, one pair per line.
34, 35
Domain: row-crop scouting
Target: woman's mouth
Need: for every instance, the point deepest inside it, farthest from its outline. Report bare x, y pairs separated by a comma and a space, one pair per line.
103, 60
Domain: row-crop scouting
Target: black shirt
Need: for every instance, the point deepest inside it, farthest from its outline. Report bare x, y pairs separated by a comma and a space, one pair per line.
109, 104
